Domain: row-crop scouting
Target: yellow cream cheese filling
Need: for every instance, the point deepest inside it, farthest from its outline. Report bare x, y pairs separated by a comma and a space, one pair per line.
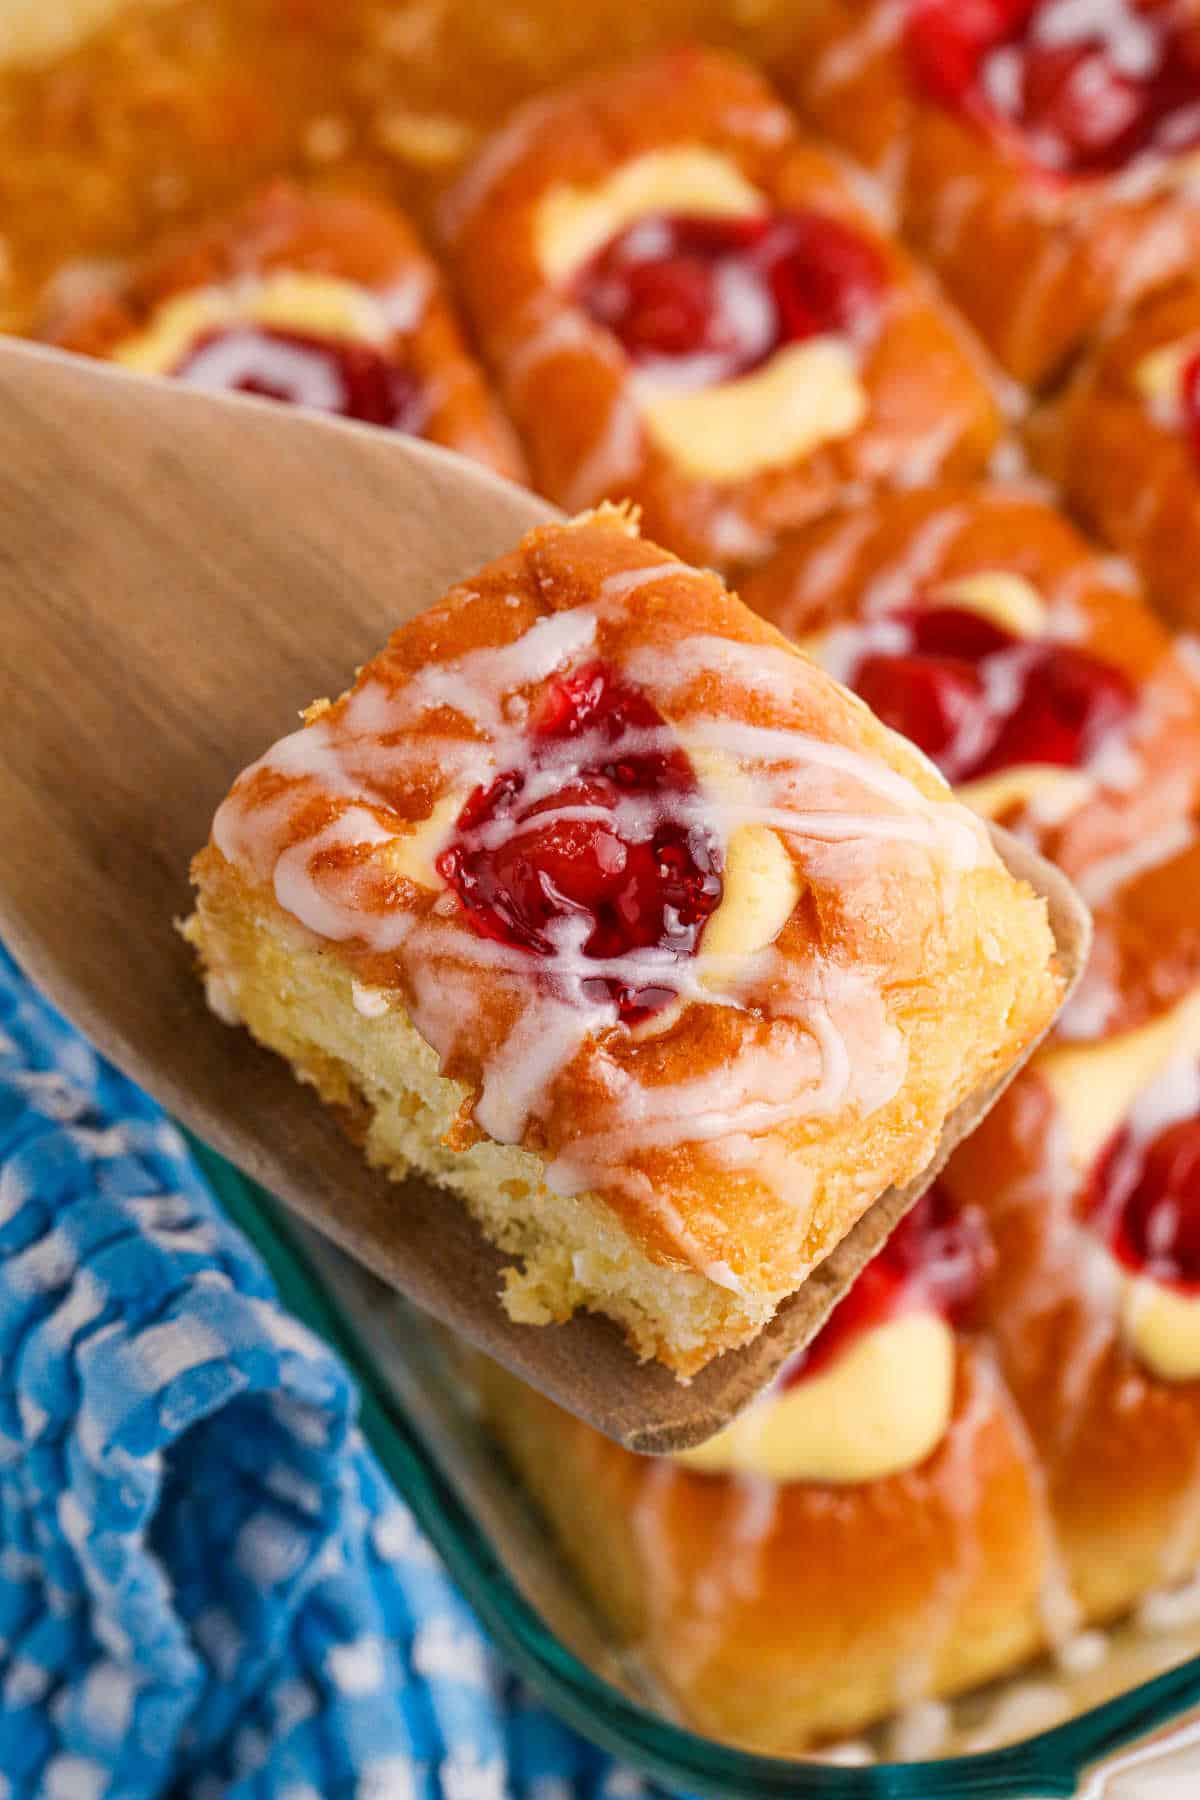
1015, 605
572, 223
1006, 599
1158, 377
287, 300
1162, 1327
760, 883
805, 395
880, 1408
1095, 1084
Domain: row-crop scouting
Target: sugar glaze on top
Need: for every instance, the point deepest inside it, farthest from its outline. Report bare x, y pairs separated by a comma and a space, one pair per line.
320, 818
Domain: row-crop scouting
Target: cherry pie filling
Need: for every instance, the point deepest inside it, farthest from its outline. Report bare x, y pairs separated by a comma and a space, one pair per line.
354, 380
1084, 86
593, 842
696, 300
1144, 1201
936, 1260
977, 699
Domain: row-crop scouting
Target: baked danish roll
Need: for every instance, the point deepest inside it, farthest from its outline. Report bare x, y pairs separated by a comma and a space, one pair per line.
325, 299
686, 304
977, 621
1089, 1175
1042, 154
1123, 441
596, 902
868, 1535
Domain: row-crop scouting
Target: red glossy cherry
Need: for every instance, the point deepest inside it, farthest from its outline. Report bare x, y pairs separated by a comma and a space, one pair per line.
937, 1258
525, 870
1083, 89
727, 293
1078, 105
978, 700
955, 631
930, 699
1145, 1200
353, 380
1069, 701
824, 276
946, 38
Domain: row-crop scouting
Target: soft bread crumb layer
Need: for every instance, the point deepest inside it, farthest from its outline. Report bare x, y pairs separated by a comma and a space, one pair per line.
298, 1000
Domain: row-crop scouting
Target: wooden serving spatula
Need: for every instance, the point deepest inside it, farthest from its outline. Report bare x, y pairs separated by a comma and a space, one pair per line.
179, 573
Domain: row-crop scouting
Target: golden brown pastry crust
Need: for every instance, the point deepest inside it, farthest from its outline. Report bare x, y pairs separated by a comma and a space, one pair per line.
1127, 466
1147, 944
784, 1616
1035, 265
355, 238
1146, 949
910, 968
566, 380
1120, 1448
1064, 1490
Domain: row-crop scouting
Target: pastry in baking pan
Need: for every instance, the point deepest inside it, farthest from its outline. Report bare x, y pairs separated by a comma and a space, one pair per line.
1123, 440
979, 622
1089, 1175
601, 905
869, 1534
686, 303
325, 299
1041, 153
993, 1443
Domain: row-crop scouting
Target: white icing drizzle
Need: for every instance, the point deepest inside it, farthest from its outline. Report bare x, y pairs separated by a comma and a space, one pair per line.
566, 328
403, 304
242, 352
751, 1507
826, 1042
1091, 1008
614, 458
852, 51
825, 571
895, 584
766, 124
733, 537
500, 153
1099, 882
958, 1481
630, 581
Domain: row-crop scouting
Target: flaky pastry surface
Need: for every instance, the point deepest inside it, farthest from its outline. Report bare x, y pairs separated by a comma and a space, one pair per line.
737, 1134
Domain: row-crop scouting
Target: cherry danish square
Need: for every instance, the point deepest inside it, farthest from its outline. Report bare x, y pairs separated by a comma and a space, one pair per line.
978, 621
870, 1532
325, 299
1123, 441
1088, 1173
687, 304
600, 905
1043, 154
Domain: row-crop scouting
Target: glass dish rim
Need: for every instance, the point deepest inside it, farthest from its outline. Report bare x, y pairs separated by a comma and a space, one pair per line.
1051, 1763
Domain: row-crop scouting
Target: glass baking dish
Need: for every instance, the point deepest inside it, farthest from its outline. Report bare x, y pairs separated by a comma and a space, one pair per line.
421, 1418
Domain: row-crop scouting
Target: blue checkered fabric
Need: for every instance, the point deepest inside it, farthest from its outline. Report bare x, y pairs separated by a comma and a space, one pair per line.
207, 1587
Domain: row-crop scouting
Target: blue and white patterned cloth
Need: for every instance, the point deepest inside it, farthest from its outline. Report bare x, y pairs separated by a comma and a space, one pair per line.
207, 1587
